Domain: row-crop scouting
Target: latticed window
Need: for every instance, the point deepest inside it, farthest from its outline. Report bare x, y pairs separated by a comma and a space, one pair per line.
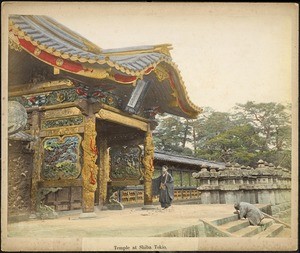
176, 176
193, 180
185, 178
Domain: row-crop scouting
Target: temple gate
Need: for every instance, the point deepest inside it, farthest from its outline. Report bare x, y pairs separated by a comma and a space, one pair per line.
90, 112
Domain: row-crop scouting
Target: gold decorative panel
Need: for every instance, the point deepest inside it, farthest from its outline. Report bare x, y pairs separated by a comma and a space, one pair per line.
61, 157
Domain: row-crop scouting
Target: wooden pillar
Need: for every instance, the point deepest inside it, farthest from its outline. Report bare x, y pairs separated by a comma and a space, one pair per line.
103, 170
35, 118
180, 176
89, 169
149, 169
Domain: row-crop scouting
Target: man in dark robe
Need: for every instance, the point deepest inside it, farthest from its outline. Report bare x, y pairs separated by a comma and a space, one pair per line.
249, 211
164, 187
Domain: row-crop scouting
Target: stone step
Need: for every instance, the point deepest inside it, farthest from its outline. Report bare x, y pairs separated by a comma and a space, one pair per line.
234, 226
266, 222
271, 231
253, 230
285, 233
248, 231
222, 221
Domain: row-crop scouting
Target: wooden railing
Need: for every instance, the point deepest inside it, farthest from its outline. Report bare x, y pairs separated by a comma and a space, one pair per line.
131, 196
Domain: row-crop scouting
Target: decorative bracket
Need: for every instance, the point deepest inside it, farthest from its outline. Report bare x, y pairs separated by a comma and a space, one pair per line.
137, 96
161, 73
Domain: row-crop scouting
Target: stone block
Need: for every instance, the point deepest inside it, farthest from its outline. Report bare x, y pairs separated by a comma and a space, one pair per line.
214, 197
241, 196
115, 206
230, 197
222, 197
272, 197
146, 207
263, 197
87, 215
253, 197
205, 197
245, 196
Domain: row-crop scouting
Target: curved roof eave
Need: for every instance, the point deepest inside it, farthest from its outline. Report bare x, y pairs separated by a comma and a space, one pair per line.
62, 48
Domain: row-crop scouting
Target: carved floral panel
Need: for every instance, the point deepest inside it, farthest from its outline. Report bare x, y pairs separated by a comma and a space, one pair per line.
125, 162
69, 95
61, 157
61, 122
47, 98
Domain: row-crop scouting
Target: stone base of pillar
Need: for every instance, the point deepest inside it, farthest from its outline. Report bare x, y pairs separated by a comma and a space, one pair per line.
115, 206
148, 207
100, 208
32, 216
87, 215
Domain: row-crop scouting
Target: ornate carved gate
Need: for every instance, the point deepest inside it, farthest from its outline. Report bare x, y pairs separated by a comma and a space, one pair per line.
125, 163
120, 161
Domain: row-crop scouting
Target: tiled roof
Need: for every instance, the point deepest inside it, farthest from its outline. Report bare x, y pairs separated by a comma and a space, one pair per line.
56, 39
161, 156
56, 45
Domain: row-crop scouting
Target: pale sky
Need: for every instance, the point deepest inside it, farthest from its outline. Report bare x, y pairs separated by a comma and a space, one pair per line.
227, 53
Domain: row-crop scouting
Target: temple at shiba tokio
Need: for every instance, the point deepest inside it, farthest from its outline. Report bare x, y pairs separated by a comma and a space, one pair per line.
90, 116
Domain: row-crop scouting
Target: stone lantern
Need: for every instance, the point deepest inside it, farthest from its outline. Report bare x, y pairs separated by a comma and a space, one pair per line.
260, 163
272, 178
204, 175
262, 172
214, 175
245, 174
238, 174
223, 175
264, 184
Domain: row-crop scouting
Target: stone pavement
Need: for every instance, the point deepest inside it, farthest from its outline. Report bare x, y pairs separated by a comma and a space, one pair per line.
130, 222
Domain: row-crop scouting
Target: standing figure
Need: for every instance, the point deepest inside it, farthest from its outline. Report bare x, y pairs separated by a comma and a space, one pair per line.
249, 211
164, 187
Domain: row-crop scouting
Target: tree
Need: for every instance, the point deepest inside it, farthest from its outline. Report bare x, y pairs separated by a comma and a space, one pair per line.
172, 134
238, 144
253, 131
208, 126
271, 121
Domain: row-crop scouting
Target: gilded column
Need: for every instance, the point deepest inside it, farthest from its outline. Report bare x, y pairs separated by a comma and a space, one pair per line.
104, 170
90, 169
36, 162
148, 169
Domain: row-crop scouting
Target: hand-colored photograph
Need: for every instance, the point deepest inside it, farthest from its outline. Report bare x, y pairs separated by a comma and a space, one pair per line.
149, 126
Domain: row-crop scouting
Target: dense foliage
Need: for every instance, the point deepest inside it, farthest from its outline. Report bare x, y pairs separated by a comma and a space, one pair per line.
252, 131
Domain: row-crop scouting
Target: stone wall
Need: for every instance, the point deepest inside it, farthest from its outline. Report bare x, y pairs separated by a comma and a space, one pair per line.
265, 184
20, 160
